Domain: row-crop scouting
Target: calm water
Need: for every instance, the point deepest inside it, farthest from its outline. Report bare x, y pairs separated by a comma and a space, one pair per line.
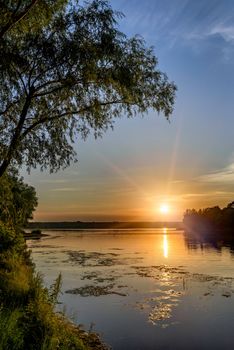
143, 289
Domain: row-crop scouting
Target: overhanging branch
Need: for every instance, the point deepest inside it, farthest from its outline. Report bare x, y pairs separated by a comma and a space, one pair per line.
67, 114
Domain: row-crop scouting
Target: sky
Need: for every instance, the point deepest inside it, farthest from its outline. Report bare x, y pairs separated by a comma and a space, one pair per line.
146, 162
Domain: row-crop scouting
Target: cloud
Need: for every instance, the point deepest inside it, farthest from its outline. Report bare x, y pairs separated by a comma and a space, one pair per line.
168, 24
225, 31
54, 181
213, 194
208, 32
225, 175
64, 189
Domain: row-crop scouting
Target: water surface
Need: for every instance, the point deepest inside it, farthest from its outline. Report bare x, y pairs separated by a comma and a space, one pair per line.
143, 289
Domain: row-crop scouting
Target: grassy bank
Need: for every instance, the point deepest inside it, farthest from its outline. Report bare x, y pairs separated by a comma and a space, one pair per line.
28, 320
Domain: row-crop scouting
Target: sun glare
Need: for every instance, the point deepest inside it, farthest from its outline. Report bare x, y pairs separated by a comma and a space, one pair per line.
164, 208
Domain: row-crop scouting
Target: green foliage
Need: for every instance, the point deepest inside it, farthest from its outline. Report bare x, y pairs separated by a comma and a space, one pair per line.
76, 74
11, 335
15, 266
27, 310
10, 240
17, 200
20, 17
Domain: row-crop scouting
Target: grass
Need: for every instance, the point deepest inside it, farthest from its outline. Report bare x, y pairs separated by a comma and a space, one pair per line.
28, 320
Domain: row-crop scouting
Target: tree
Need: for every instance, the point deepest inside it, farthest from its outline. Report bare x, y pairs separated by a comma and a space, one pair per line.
75, 74
27, 15
213, 217
230, 205
17, 200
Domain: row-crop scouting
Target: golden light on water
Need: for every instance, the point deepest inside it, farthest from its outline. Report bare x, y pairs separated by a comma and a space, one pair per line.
165, 243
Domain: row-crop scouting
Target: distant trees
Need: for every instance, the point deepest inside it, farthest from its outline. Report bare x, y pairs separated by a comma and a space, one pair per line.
17, 200
213, 217
65, 70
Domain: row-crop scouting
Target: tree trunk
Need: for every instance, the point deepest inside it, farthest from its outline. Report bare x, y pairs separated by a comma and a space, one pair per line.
15, 138
4, 167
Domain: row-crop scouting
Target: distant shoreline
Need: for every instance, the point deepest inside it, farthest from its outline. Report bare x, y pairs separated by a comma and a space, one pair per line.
103, 225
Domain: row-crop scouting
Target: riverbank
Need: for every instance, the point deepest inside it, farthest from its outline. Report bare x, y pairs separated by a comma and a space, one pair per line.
27, 309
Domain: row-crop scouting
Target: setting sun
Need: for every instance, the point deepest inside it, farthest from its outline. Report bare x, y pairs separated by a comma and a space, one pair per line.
164, 208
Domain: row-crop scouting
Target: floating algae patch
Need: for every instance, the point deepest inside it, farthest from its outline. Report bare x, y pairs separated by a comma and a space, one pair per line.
44, 252
116, 249
90, 275
164, 273
100, 276
105, 279
96, 291
45, 246
94, 258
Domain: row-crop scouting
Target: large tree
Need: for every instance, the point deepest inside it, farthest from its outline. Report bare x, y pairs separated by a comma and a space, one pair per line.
72, 74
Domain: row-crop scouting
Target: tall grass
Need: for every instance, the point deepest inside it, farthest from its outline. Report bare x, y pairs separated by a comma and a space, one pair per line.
28, 320
11, 335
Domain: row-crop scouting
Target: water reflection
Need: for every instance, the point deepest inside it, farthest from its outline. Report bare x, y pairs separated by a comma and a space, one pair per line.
132, 283
174, 285
209, 242
165, 243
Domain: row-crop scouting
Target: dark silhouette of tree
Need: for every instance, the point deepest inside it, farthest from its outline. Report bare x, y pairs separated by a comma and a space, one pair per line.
210, 218
231, 205
71, 74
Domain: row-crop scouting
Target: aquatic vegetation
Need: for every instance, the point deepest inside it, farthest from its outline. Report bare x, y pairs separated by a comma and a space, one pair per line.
96, 291
93, 259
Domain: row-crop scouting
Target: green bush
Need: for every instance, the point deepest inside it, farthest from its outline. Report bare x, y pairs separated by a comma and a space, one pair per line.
10, 239
15, 266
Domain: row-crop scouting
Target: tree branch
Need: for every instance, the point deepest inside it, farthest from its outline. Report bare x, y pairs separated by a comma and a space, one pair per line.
16, 18
65, 114
8, 107
16, 137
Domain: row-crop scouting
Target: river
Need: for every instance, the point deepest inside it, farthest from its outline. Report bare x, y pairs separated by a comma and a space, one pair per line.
143, 289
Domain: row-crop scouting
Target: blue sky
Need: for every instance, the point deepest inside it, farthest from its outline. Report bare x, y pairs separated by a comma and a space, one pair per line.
188, 162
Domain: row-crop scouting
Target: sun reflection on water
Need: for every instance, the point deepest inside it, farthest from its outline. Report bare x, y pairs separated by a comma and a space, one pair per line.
165, 243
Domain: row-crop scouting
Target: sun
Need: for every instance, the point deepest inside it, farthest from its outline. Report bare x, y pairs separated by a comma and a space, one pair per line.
164, 208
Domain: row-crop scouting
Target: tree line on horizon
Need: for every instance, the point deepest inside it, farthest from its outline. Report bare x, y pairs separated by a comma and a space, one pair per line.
210, 218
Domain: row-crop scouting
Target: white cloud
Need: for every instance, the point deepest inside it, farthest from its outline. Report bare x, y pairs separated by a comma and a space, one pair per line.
225, 31
225, 175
